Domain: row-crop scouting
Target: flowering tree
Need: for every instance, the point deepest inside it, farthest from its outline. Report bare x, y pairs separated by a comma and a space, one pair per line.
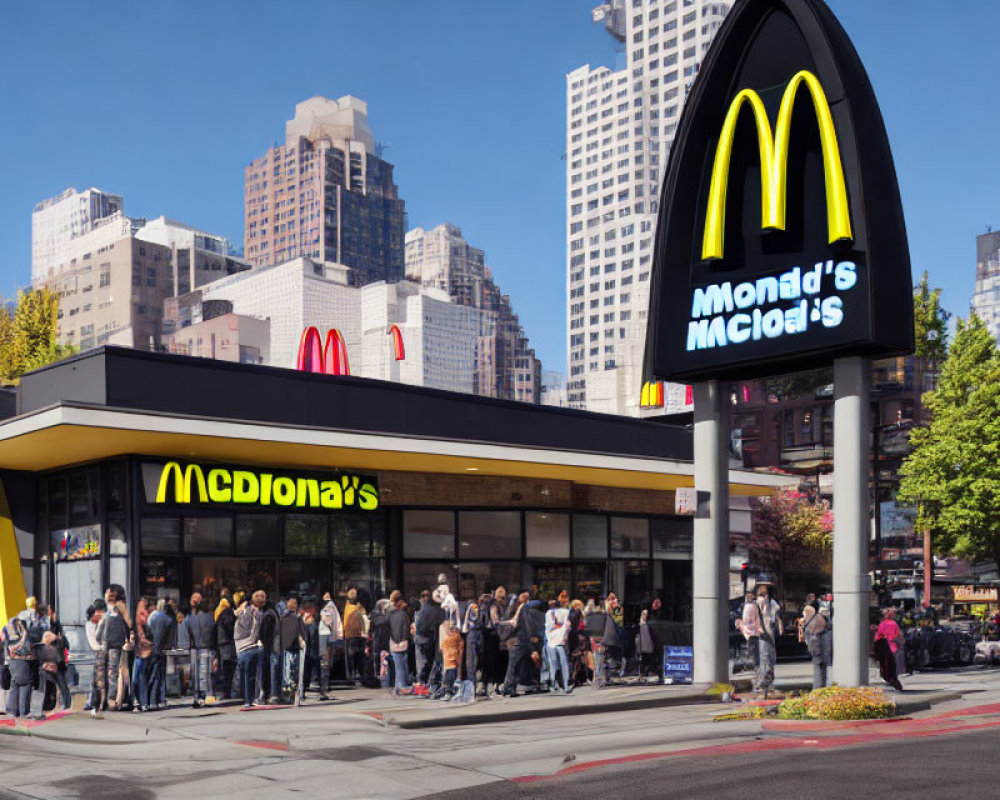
791, 525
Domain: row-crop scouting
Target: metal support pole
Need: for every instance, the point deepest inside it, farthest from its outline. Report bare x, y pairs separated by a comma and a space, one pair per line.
851, 532
711, 534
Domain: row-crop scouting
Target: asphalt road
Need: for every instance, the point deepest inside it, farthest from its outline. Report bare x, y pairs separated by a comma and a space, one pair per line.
962, 766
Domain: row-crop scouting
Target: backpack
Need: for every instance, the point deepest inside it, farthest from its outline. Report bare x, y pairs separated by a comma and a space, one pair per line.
18, 643
113, 632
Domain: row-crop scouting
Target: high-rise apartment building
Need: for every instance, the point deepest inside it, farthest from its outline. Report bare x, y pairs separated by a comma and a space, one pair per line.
986, 297
326, 194
505, 364
198, 257
58, 221
619, 128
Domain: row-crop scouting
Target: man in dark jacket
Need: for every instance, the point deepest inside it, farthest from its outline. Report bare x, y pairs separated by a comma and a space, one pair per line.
225, 622
293, 639
163, 628
522, 649
428, 622
201, 634
269, 679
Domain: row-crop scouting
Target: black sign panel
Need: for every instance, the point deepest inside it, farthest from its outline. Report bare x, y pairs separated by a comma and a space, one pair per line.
780, 242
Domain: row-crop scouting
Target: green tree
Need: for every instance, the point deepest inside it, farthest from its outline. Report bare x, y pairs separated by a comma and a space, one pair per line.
28, 334
790, 526
953, 471
930, 323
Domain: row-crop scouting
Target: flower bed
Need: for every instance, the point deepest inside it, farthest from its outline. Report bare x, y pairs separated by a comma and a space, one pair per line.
838, 703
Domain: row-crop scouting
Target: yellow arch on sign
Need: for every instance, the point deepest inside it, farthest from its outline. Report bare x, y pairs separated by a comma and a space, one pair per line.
774, 165
12, 594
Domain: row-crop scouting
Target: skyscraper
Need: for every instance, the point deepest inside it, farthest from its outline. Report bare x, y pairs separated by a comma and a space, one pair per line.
326, 194
505, 363
619, 128
986, 297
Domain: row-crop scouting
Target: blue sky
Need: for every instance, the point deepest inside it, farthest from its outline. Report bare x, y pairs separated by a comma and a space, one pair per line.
165, 103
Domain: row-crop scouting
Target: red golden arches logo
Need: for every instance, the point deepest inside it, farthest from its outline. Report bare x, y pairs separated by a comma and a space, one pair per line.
328, 359
335, 354
397, 342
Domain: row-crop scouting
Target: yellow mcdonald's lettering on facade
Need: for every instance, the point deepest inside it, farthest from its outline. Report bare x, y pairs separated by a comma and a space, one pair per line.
244, 487
774, 165
182, 483
218, 486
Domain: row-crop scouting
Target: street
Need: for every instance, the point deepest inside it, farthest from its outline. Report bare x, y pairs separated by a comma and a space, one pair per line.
347, 750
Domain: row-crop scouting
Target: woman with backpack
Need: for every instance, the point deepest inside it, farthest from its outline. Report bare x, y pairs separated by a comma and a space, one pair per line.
20, 657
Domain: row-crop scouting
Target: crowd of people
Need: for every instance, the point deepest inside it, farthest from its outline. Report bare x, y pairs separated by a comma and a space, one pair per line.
269, 654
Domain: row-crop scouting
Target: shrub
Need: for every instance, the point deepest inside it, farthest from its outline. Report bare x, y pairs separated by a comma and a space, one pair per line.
838, 703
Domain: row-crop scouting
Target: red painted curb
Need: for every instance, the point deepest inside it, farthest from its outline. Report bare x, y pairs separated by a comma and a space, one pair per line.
823, 724
262, 744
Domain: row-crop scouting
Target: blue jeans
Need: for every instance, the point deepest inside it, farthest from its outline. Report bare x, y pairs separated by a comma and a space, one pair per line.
270, 667
156, 665
141, 670
290, 671
558, 661
248, 663
201, 673
401, 663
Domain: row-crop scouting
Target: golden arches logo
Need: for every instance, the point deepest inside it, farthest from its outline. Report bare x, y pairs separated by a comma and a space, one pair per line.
182, 483
774, 165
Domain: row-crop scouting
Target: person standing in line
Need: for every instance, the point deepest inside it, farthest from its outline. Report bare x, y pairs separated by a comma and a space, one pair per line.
451, 658
331, 638
201, 639
355, 634
522, 647
246, 637
269, 680
113, 634
749, 625
95, 614
20, 654
812, 628
142, 668
62, 676
399, 646
556, 629
225, 622
162, 628
771, 627
380, 642
420, 643
49, 655
473, 627
293, 638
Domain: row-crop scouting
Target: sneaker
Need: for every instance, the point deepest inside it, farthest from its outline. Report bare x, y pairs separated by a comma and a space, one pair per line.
274, 701
88, 707
136, 710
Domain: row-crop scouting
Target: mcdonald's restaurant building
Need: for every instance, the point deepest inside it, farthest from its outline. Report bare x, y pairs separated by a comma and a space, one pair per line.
169, 474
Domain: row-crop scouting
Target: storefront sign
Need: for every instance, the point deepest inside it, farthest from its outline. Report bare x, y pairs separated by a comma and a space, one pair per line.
686, 501
780, 231
192, 484
678, 663
974, 594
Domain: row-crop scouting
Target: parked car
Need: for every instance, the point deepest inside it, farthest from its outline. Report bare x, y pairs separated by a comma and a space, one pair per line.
931, 645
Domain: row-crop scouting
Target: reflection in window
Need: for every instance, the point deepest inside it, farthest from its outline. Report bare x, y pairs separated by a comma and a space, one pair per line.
429, 534
476, 578
419, 577
547, 535
306, 535
590, 536
117, 546
351, 537
589, 580
208, 534
489, 534
629, 537
72, 544
258, 534
160, 535
672, 538
84, 490
160, 577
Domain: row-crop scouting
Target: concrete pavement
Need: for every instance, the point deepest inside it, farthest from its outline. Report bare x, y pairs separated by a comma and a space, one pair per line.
351, 750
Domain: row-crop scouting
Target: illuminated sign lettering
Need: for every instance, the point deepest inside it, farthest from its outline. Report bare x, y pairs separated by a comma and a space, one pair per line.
196, 485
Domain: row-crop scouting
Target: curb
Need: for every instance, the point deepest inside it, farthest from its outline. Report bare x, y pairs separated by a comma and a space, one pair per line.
820, 726
399, 719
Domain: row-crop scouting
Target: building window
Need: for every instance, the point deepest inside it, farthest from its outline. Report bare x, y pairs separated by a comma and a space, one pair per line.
489, 534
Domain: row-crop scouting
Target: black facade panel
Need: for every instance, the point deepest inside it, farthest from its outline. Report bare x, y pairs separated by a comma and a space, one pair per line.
205, 388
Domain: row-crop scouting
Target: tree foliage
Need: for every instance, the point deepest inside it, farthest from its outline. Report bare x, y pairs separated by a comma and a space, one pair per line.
930, 323
28, 333
953, 472
791, 525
